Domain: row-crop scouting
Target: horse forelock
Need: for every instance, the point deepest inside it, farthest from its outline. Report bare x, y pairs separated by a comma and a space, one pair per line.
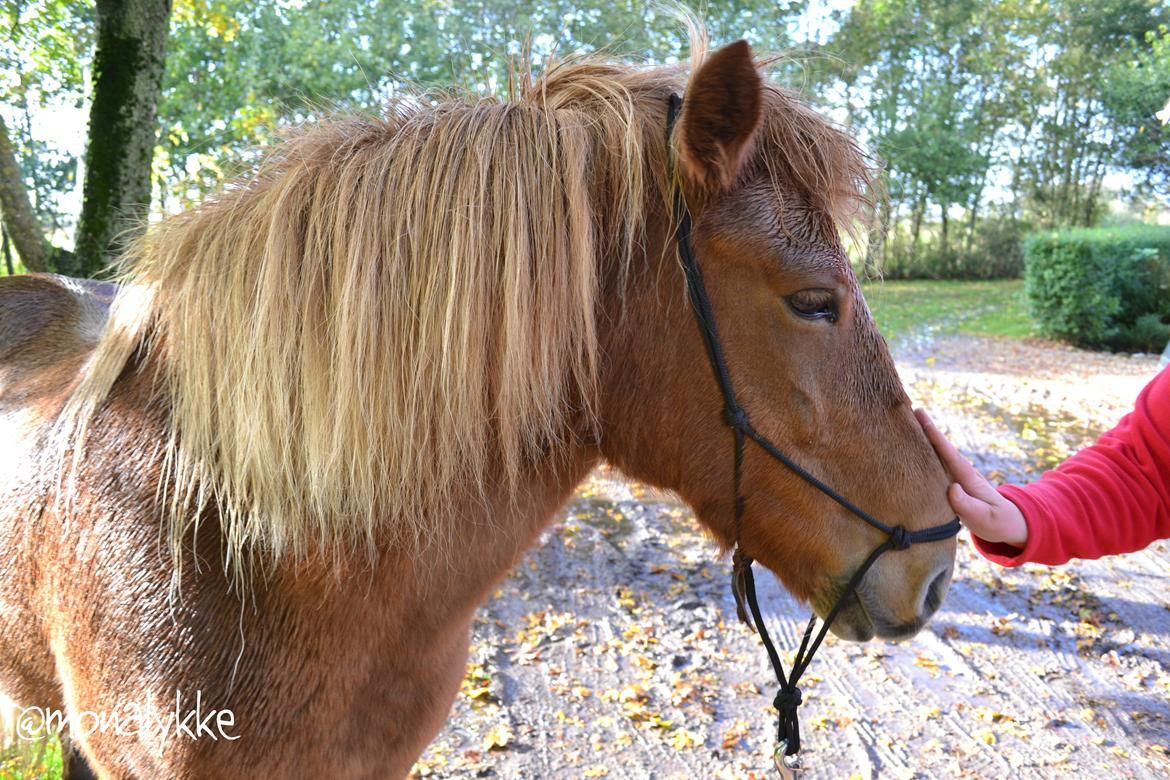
394, 314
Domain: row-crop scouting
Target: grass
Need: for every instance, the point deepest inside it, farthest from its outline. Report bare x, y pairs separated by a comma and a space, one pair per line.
994, 308
31, 761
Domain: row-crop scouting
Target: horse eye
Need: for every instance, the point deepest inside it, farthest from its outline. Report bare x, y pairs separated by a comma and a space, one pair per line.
814, 304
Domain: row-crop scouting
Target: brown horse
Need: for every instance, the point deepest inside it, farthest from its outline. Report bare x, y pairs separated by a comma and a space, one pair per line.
330, 407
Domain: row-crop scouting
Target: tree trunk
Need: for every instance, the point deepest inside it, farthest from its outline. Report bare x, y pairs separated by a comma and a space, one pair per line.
875, 245
20, 223
945, 222
7, 252
972, 221
1096, 179
919, 209
127, 81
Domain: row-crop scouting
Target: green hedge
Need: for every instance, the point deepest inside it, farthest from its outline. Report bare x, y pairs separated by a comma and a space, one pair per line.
1101, 287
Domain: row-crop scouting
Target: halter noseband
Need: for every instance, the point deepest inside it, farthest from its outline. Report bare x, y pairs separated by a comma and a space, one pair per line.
743, 586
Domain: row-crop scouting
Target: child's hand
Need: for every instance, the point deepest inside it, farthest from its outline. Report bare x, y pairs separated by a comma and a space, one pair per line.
982, 509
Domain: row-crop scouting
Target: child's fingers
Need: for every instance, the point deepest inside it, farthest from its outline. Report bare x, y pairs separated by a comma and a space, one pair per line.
999, 521
946, 451
979, 505
975, 513
960, 468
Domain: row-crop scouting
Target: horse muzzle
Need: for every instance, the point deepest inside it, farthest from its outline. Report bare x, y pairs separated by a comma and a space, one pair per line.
866, 614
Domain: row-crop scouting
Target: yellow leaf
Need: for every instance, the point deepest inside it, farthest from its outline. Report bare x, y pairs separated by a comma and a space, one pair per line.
681, 739
925, 662
737, 731
498, 737
633, 692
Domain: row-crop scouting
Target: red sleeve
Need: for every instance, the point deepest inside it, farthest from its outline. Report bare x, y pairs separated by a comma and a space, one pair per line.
1112, 497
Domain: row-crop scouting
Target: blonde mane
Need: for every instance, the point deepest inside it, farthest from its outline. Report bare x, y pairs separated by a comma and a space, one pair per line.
395, 313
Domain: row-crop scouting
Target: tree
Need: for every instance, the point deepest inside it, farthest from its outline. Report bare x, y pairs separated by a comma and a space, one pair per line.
1133, 93
1011, 111
238, 70
930, 84
1074, 141
1027, 104
44, 59
128, 69
20, 224
42, 50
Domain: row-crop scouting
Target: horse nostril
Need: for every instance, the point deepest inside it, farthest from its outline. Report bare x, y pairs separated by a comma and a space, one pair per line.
936, 591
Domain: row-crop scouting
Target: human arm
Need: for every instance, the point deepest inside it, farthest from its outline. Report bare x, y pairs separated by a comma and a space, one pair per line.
1109, 498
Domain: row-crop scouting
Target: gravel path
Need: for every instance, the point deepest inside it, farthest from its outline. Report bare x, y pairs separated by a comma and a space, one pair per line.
614, 651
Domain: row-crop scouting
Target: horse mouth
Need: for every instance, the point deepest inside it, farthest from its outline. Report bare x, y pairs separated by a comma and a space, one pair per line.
853, 621
861, 617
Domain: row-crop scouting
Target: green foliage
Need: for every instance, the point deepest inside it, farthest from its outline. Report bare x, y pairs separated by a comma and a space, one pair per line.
992, 249
933, 87
239, 71
1068, 140
991, 119
43, 48
44, 45
39, 760
1133, 91
1149, 333
1021, 105
1103, 287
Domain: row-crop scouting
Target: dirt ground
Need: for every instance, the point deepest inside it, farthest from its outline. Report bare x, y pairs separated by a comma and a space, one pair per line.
614, 651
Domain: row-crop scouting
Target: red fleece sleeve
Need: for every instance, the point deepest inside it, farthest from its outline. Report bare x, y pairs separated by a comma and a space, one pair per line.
1112, 497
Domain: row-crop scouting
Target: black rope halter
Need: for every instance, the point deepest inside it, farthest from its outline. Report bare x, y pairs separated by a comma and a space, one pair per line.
788, 698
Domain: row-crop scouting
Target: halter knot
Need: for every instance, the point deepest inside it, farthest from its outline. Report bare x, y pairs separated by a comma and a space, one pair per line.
900, 538
736, 417
787, 700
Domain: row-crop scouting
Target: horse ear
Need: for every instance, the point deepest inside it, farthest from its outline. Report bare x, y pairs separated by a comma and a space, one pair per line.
721, 113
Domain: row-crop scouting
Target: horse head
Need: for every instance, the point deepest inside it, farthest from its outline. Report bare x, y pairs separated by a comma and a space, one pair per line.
767, 181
